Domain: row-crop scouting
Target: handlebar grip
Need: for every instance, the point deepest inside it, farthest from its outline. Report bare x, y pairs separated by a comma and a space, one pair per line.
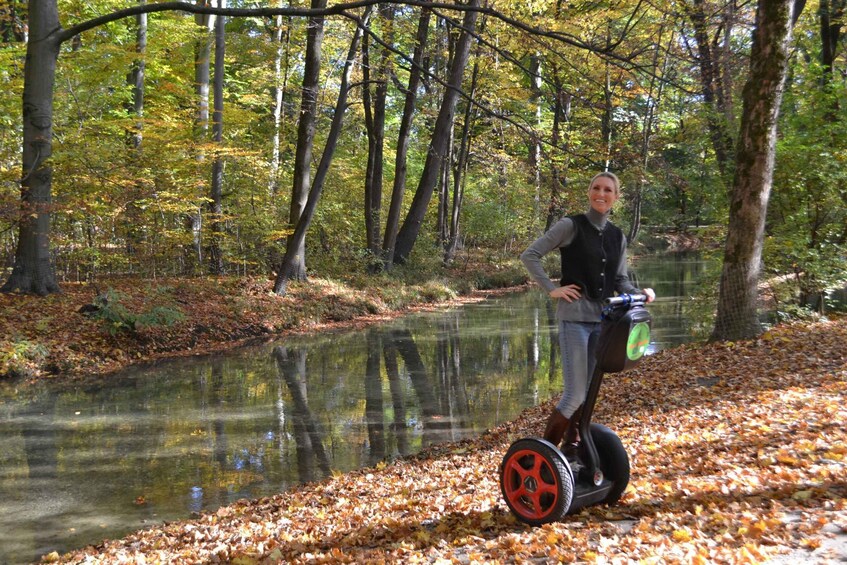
625, 299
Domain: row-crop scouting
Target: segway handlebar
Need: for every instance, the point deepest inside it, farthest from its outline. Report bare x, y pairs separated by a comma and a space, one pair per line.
626, 300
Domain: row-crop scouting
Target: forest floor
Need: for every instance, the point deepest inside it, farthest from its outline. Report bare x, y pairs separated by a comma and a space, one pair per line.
738, 453
91, 330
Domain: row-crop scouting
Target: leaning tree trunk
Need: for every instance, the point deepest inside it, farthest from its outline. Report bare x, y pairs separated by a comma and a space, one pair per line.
303, 152
290, 266
33, 271
408, 234
399, 186
737, 316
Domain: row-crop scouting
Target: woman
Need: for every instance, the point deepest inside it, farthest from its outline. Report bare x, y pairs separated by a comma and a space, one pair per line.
594, 267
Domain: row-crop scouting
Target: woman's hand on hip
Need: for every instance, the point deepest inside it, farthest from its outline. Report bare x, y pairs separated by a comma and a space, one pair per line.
569, 293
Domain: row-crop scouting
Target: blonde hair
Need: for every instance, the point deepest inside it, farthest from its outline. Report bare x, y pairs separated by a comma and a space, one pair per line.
608, 175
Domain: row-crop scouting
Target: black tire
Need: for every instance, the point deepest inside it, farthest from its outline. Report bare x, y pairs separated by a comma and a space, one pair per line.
536, 481
614, 461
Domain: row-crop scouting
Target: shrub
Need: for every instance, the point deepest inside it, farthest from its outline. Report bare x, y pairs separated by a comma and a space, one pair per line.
110, 309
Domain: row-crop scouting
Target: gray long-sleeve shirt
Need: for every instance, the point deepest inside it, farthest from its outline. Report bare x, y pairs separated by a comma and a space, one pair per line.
561, 234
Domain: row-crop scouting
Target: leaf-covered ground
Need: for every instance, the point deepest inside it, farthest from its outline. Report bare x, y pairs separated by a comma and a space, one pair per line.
738, 450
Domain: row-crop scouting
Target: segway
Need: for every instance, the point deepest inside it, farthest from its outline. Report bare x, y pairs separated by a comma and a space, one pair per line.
540, 483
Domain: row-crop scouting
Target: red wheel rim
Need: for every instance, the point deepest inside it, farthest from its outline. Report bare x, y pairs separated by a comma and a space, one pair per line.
530, 484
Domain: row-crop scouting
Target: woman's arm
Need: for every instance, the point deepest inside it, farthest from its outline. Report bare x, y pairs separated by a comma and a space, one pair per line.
560, 235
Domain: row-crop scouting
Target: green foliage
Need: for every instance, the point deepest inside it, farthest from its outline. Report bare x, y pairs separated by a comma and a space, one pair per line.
116, 317
805, 276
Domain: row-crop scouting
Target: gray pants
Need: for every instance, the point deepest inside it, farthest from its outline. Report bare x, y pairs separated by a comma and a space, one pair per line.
578, 344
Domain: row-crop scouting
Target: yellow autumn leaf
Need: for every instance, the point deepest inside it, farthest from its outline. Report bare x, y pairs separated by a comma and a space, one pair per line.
681, 535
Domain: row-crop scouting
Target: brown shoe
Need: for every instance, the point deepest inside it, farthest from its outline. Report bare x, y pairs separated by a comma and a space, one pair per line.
571, 437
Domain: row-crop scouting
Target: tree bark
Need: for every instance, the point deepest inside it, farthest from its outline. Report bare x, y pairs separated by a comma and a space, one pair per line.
290, 266
33, 271
283, 43
202, 79
374, 106
408, 234
399, 185
135, 108
831, 13
216, 262
737, 316
459, 171
305, 141
712, 83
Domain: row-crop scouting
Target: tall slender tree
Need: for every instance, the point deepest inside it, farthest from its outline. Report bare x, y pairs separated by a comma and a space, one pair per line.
202, 79
375, 70
216, 262
282, 40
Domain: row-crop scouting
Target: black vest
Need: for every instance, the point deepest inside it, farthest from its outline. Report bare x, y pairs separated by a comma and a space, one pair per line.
592, 259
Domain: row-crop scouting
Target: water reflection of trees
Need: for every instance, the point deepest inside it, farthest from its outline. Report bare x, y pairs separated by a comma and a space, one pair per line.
291, 366
394, 428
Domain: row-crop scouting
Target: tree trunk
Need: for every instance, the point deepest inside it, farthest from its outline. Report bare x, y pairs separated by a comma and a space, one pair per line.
399, 186
216, 263
202, 74
459, 171
33, 271
408, 234
831, 13
283, 43
712, 84
606, 121
737, 316
303, 152
136, 78
290, 266
374, 106
444, 190
135, 108
559, 179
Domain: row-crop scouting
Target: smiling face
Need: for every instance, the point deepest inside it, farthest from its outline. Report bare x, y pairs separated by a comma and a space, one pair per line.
602, 193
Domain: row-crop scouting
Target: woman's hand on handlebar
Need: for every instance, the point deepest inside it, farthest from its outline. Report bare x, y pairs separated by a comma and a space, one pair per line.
569, 293
650, 294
